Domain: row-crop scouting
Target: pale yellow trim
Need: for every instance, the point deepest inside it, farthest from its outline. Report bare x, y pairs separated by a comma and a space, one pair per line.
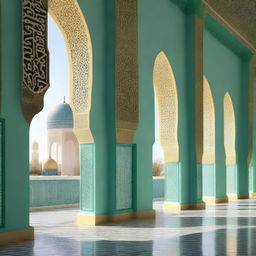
167, 102
229, 130
94, 220
16, 236
172, 207
253, 194
209, 125
126, 70
215, 200
234, 197
76, 43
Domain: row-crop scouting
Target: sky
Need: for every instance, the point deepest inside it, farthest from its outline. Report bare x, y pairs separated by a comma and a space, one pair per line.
59, 87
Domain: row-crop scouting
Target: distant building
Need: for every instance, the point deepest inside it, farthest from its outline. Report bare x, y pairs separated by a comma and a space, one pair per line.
63, 146
35, 165
50, 167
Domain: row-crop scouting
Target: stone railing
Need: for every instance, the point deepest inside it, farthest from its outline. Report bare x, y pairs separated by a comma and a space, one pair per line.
48, 192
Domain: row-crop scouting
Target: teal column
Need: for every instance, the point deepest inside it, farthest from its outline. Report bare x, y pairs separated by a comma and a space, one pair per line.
191, 171
87, 178
97, 159
218, 178
15, 152
183, 188
252, 138
221, 176
242, 132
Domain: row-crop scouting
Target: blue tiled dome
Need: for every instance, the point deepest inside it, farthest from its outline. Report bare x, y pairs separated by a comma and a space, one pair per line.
60, 117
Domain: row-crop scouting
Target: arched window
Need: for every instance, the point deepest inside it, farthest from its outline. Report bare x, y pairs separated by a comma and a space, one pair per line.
167, 100
209, 125
229, 130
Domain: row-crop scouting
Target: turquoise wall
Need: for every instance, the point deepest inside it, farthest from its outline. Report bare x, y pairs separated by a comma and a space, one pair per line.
227, 71
16, 157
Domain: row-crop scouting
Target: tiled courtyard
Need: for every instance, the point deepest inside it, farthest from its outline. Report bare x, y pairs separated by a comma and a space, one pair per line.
224, 229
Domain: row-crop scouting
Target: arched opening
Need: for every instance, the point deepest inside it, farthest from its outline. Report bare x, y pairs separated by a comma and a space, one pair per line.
70, 19
208, 159
167, 115
229, 144
229, 130
209, 125
71, 22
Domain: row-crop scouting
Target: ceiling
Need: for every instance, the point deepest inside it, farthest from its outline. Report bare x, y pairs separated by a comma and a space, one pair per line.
241, 14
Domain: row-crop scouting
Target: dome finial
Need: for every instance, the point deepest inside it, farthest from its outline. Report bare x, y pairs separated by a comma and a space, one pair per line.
64, 100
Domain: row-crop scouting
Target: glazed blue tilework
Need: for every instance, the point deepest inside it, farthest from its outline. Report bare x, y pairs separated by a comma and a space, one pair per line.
87, 177
123, 177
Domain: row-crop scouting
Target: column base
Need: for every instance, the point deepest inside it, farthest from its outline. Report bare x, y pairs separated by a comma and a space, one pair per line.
95, 220
17, 236
253, 194
234, 197
180, 207
215, 200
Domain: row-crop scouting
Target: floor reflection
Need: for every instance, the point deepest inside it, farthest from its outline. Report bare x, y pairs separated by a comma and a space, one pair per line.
225, 229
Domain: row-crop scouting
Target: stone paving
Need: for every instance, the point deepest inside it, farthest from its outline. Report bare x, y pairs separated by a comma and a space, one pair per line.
224, 229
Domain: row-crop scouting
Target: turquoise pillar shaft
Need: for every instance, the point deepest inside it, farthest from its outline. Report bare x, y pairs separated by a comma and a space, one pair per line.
242, 131
220, 155
98, 159
252, 177
192, 170
15, 154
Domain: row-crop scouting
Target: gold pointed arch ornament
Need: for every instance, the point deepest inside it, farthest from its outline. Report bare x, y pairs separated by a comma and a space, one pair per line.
70, 19
229, 130
167, 100
209, 124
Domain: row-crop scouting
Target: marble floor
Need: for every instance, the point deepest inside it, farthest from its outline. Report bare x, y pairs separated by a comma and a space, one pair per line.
224, 229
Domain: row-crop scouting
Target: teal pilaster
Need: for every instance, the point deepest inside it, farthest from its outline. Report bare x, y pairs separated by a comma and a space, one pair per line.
194, 105
220, 159
252, 176
242, 130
